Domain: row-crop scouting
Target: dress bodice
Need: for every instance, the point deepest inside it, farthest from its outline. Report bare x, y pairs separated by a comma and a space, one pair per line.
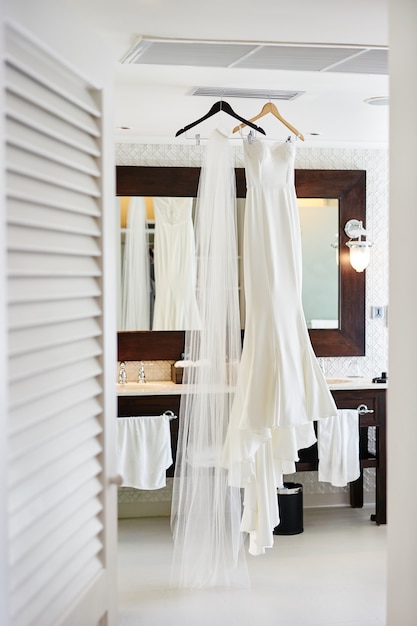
173, 211
269, 164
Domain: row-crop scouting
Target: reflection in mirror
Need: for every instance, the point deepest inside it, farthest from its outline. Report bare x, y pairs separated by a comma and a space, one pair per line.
168, 267
158, 264
175, 265
134, 292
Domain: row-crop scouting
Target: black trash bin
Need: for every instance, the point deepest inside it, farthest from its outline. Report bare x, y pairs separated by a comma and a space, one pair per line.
290, 502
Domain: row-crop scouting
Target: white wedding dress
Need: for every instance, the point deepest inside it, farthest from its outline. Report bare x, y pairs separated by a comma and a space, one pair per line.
175, 265
280, 389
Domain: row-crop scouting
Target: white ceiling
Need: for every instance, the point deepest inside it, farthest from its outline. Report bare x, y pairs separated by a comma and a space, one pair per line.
154, 99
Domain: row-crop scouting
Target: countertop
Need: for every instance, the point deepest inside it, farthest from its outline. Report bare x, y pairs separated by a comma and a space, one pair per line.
166, 387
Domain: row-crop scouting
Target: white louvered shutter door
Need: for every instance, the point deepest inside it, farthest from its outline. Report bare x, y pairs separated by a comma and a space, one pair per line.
58, 498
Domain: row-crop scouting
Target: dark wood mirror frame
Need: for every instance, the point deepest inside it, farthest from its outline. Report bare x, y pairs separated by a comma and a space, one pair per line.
348, 186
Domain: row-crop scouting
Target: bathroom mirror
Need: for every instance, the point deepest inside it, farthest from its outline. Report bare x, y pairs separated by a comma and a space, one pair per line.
347, 186
153, 229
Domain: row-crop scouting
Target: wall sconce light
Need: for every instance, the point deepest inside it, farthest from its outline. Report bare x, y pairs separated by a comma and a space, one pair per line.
360, 249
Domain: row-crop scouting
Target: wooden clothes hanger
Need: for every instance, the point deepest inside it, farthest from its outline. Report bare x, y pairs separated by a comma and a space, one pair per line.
270, 107
221, 105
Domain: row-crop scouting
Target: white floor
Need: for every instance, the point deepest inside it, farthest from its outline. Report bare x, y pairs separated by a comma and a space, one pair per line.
332, 574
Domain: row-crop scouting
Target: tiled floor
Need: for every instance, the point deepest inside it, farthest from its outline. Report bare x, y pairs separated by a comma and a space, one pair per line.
332, 574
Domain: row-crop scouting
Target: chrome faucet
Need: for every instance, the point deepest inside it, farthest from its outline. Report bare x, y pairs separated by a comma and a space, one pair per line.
141, 375
122, 374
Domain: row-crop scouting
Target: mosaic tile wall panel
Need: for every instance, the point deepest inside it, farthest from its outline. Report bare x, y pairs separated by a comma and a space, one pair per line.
375, 162
154, 370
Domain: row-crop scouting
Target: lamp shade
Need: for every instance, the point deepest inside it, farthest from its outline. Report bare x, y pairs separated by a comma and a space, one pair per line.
360, 254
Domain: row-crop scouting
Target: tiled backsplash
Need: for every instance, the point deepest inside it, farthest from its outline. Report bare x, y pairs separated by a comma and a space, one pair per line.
375, 162
154, 370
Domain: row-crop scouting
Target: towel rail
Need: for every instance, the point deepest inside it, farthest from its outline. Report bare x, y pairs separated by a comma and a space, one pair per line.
170, 414
363, 409
167, 413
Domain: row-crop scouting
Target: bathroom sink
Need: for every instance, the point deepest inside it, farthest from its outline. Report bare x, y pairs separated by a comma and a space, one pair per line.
149, 384
151, 387
338, 381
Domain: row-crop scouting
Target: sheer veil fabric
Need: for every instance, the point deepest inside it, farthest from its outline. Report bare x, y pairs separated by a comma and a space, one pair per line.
206, 510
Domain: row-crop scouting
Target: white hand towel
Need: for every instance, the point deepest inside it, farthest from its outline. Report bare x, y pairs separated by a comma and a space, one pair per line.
338, 448
144, 450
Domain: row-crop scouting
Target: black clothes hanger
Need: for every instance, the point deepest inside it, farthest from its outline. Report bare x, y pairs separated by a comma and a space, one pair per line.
221, 105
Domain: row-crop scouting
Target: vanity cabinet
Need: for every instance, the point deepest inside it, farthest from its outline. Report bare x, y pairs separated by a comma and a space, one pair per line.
372, 451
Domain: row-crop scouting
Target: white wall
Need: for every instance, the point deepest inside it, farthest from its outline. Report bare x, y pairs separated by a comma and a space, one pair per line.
402, 418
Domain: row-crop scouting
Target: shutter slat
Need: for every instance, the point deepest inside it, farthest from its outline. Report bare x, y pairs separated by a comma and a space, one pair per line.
48, 218
38, 143
64, 590
31, 165
51, 288
39, 493
42, 313
73, 589
31, 540
47, 582
42, 476
45, 360
31, 190
45, 382
44, 407
25, 341
38, 119
40, 69
53, 518
27, 514
50, 549
66, 441
37, 264
58, 457
38, 95
29, 438
27, 240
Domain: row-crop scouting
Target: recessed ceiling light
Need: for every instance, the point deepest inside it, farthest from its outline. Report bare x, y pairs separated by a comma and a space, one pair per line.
124, 127
378, 101
316, 133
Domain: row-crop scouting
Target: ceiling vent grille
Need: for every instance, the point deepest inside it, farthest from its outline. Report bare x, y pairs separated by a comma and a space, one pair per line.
263, 94
249, 55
